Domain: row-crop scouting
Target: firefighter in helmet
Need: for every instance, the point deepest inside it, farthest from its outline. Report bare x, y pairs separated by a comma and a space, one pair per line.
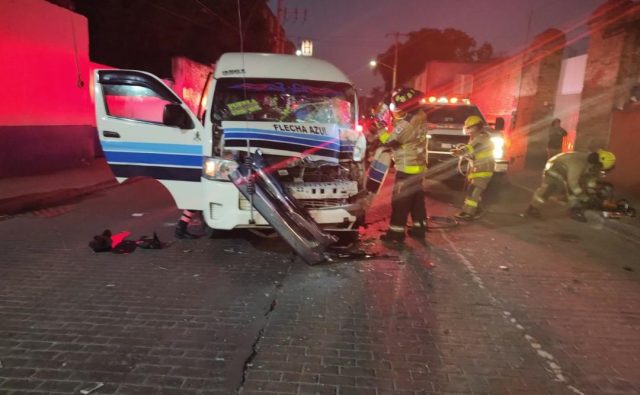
407, 140
479, 152
571, 174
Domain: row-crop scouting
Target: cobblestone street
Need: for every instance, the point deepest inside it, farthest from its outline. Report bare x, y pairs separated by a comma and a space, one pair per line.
501, 306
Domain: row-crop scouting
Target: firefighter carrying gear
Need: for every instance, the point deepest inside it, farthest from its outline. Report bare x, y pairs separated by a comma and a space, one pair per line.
479, 151
408, 142
571, 174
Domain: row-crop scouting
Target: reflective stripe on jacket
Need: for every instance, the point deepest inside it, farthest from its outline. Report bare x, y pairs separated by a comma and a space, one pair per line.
480, 152
574, 169
411, 132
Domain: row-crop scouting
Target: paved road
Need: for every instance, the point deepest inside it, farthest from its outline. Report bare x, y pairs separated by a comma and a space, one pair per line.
502, 306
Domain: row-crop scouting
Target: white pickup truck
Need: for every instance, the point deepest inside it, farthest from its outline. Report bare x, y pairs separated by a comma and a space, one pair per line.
445, 121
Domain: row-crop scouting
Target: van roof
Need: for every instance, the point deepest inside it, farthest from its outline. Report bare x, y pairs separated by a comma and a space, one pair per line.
268, 65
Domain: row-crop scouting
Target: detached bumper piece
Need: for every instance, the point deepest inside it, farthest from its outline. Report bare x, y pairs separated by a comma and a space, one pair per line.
281, 211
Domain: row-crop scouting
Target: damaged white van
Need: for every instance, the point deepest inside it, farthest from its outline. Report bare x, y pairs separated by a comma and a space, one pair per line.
300, 113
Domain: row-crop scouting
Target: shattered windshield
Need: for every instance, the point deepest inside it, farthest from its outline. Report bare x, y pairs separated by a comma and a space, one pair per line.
269, 100
450, 114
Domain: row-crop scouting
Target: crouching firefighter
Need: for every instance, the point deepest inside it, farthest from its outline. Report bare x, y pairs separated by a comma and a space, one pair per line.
479, 152
570, 174
408, 144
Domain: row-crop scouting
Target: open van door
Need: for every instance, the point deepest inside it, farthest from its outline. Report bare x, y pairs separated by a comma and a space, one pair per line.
146, 130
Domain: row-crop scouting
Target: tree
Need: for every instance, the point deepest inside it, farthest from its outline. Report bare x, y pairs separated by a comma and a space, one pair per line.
431, 44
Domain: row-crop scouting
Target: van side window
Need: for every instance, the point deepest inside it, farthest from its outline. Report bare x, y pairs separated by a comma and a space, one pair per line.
134, 102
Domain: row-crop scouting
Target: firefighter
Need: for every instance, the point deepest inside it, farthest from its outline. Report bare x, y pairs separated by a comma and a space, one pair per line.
571, 174
407, 140
479, 151
183, 225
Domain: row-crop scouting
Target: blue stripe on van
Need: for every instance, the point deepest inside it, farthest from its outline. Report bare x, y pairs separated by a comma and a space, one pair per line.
332, 144
157, 172
155, 159
160, 148
309, 136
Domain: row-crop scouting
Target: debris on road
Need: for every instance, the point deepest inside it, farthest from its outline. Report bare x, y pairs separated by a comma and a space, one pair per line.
102, 242
118, 243
153, 243
502, 267
89, 390
137, 214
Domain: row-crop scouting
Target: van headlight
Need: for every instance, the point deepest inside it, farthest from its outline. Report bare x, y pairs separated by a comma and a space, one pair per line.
498, 147
218, 169
359, 148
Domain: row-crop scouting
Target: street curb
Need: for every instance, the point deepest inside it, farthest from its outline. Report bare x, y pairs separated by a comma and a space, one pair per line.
35, 201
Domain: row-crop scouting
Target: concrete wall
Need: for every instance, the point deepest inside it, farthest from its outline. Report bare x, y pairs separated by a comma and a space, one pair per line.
46, 113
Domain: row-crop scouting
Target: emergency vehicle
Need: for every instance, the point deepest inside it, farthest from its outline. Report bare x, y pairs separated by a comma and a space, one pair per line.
299, 112
445, 121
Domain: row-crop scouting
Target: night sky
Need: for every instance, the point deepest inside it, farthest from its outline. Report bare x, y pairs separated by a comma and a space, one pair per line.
351, 32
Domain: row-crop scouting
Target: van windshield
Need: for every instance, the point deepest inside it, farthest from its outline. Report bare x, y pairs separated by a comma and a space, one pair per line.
271, 100
450, 114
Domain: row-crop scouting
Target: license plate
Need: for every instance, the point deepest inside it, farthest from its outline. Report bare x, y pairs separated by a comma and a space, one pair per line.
446, 145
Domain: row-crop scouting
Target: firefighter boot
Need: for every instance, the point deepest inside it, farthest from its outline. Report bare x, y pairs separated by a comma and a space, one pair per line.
418, 231
182, 232
464, 216
392, 237
577, 214
533, 212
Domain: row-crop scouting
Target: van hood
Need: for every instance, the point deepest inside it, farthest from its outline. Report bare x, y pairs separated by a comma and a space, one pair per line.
316, 141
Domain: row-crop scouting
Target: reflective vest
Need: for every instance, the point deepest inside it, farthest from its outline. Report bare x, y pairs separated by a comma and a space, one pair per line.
411, 133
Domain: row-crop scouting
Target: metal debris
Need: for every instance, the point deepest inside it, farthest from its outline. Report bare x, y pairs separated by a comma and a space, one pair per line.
502, 267
91, 389
137, 214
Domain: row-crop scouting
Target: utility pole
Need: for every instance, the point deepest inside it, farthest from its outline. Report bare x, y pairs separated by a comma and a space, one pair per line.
280, 28
396, 36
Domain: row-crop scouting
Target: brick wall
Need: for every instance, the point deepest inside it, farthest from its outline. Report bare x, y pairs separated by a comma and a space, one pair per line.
624, 143
540, 75
613, 66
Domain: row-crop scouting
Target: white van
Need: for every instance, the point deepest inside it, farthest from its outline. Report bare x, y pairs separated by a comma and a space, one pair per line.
300, 112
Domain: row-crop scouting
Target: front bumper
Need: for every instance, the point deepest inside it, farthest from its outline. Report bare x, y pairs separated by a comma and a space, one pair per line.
225, 208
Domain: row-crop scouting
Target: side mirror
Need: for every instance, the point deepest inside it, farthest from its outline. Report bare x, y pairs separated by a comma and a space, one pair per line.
499, 124
175, 115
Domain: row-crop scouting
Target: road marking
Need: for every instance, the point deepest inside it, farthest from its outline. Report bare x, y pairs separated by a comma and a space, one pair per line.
551, 361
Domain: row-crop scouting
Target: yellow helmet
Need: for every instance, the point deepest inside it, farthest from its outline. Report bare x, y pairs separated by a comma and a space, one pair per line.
607, 159
472, 120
